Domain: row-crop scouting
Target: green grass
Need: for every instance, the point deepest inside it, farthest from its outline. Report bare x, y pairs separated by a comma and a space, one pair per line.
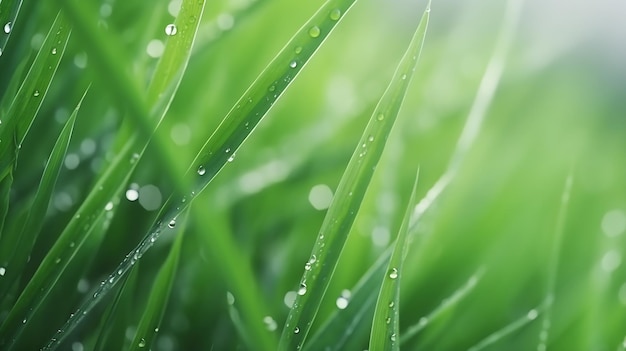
196, 175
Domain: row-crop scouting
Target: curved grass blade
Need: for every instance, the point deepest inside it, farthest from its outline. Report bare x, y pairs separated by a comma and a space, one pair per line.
117, 317
554, 263
234, 129
24, 107
159, 295
9, 10
14, 257
348, 197
446, 305
385, 333
508, 329
356, 317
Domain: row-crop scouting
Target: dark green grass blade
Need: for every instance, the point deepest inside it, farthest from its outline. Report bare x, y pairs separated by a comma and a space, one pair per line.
24, 107
159, 296
15, 256
5, 192
9, 10
385, 333
117, 317
234, 129
347, 199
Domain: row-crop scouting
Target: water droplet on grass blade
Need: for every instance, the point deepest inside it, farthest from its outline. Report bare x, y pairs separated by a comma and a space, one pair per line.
380, 116
335, 14
392, 337
54, 51
3, 271
314, 32
109, 206
201, 170
171, 29
393, 274
296, 330
172, 224
302, 289
7, 28
293, 64
298, 50
36, 93
142, 343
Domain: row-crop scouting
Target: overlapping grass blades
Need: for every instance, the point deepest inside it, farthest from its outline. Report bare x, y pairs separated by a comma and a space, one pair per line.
16, 246
231, 133
348, 197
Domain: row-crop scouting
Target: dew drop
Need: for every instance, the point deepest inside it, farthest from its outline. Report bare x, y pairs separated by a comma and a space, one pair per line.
342, 302
272, 88
302, 289
231, 158
3, 271
57, 260
335, 14
391, 304
403, 77
172, 223
171, 29
314, 32
296, 330
7, 28
142, 342
370, 138
109, 206
36, 93
532, 314
227, 150
293, 64
54, 51
313, 259
393, 274
392, 337
201, 170
298, 50
380, 116
388, 320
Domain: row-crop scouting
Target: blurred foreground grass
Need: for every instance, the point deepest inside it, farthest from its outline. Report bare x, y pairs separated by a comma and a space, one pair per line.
558, 114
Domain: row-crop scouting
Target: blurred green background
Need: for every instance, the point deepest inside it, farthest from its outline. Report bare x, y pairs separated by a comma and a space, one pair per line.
560, 111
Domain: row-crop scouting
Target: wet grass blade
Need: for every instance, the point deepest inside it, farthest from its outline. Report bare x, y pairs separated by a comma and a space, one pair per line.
24, 107
508, 329
117, 317
554, 263
348, 197
385, 333
9, 10
159, 296
446, 305
15, 256
357, 316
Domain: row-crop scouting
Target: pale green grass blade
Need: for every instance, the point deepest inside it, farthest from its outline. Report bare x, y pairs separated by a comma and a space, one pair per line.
385, 333
508, 329
15, 256
159, 296
9, 10
117, 317
546, 320
24, 107
357, 316
347, 199
445, 306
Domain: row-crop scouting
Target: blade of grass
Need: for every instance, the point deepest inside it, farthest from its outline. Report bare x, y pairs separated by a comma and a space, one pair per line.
385, 333
9, 10
99, 201
234, 129
554, 263
117, 317
508, 329
446, 305
15, 256
24, 107
341, 325
348, 197
159, 296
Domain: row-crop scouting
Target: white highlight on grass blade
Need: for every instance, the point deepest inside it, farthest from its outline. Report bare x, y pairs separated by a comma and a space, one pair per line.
320, 196
614, 223
486, 90
507, 330
445, 305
